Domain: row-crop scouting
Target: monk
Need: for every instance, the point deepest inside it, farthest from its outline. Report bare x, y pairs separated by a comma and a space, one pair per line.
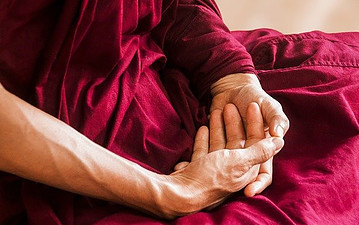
104, 98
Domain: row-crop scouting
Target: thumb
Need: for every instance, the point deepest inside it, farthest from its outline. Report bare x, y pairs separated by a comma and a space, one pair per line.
263, 150
275, 117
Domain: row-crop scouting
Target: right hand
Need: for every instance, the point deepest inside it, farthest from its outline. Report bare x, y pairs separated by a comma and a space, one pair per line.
210, 177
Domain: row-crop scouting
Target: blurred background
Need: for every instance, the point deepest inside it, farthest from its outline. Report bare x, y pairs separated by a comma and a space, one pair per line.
291, 16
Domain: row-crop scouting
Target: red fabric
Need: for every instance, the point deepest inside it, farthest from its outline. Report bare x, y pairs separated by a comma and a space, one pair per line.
100, 67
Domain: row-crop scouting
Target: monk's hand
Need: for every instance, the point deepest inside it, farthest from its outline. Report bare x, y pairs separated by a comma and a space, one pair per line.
231, 122
255, 133
241, 90
215, 171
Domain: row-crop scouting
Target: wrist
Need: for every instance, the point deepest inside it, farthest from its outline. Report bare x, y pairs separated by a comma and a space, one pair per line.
178, 199
233, 81
143, 190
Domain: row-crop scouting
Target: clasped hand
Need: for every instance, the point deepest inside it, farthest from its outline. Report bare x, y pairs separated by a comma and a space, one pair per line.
225, 159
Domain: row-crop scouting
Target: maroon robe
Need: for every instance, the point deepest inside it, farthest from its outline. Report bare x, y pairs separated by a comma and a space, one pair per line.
134, 76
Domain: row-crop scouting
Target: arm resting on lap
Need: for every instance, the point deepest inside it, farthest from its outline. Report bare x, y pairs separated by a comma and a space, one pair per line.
39, 147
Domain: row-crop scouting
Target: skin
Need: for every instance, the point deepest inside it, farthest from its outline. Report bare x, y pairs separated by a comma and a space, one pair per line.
39, 147
241, 90
226, 137
227, 132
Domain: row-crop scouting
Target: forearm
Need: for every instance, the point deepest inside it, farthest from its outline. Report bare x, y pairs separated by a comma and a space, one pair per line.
37, 146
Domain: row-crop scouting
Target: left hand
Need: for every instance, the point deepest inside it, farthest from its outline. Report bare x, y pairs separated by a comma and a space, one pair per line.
241, 90
227, 132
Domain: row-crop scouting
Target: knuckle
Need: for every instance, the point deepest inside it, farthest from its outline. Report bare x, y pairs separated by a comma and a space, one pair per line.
233, 137
264, 153
247, 163
273, 106
234, 144
282, 119
274, 103
247, 166
252, 136
216, 143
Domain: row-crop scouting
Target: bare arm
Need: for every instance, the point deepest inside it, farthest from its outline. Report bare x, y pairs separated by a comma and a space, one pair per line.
37, 146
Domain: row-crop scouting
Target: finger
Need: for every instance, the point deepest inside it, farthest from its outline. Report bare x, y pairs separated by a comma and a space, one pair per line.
218, 102
200, 147
217, 133
275, 117
234, 127
255, 126
181, 165
263, 150
263, 180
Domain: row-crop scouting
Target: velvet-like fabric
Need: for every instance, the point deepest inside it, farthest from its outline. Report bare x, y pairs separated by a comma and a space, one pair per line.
134, 76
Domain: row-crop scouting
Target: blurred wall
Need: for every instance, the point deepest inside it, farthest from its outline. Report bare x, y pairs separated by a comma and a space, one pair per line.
291, 16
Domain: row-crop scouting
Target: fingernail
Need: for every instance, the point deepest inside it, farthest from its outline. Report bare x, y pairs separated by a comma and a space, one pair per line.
280, 131
279, 142
243, 143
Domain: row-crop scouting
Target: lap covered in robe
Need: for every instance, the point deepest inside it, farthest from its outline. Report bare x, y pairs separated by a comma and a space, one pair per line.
135, 77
